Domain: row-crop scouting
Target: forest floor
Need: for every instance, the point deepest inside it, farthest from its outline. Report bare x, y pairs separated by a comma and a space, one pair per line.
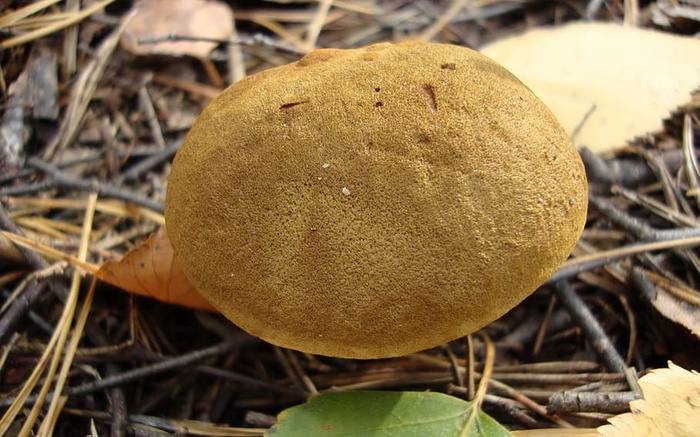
90, 123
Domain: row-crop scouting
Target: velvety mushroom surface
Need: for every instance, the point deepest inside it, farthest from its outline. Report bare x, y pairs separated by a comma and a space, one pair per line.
374, 202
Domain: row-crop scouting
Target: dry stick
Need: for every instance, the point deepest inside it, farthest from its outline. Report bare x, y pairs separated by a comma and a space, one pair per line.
645, 286
486, 379
641, 229
577, 402
6, 348
146, 104
510, 407
675, 199
104, 190
589, 262
94, 156
257, 40
519, 397
178, 427
141, 372
662, 210
35, 318
501, 387
237, 377
31, 293
23, 190
636, 226
528, 403
594, 332
159, 157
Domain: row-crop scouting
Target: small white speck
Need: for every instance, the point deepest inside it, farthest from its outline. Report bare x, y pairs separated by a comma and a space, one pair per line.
325, 165
345, 191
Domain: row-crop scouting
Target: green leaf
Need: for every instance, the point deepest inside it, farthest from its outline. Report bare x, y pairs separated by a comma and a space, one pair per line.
385, 414
481, 424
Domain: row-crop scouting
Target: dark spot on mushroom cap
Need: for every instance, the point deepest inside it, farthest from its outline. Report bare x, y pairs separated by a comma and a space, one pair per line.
429, 93
291, 105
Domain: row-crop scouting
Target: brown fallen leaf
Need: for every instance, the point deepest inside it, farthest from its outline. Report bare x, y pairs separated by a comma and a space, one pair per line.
153, 270
670, 406
192, 18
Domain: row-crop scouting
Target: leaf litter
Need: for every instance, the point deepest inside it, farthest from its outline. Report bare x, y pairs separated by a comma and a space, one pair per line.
141, 363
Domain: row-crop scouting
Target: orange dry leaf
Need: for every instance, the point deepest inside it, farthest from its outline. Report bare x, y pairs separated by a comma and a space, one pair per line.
153, 270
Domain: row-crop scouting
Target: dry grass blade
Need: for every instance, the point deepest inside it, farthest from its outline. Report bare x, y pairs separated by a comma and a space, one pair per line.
51, 28
690, 154
437, 26
55, 347
589, 262
317, 23
489, 359
13, 17
579, 432
49, 423
58, 349
116, 208
70, 41
191, 427
50, 252
84, 88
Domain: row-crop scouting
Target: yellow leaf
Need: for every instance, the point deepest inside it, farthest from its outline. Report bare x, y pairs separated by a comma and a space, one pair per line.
629, 79
670, 406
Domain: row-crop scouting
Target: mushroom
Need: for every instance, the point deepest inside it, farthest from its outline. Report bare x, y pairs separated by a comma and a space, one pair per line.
374, 202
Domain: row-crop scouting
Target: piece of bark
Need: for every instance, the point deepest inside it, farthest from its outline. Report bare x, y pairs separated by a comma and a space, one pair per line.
33, 95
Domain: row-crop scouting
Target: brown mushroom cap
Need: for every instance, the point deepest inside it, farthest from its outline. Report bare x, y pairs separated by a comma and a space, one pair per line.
374, 202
